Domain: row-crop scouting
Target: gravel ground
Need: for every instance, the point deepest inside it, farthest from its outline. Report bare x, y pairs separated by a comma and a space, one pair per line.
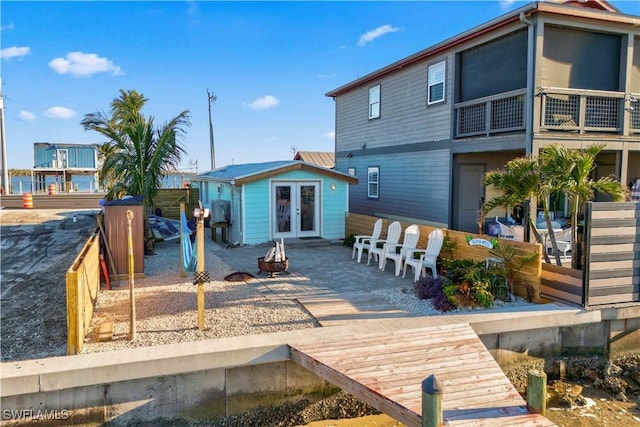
166, 307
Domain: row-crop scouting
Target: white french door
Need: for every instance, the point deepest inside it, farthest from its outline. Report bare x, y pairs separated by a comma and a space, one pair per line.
295, 209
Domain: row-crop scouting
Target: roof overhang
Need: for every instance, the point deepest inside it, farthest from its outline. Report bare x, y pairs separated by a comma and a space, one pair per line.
296, 166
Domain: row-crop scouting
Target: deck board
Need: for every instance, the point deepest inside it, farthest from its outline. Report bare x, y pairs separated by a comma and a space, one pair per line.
386, 370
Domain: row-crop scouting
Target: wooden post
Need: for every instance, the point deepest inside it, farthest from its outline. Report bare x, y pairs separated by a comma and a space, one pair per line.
200, 269
132, 295
431, 402
182, 260
537, 391
73, 324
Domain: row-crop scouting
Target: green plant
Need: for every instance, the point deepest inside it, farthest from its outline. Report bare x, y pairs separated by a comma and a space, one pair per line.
447, 249
513, 262
349, 240
481, 292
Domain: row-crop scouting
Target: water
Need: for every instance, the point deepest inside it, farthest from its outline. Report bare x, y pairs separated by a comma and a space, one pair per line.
80, 183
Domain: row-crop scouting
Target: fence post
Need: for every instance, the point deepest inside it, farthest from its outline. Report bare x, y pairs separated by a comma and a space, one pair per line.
200, 269
431, 402
537, 391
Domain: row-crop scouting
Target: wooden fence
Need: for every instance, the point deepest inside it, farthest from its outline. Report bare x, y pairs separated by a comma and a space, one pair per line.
612, 253
83, 284
169, 199
561, 284
528, 285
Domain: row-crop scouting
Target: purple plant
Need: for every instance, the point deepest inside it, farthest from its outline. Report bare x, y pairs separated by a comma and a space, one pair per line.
430, 288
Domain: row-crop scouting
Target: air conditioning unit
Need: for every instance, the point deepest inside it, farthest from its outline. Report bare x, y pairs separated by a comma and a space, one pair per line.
220, 211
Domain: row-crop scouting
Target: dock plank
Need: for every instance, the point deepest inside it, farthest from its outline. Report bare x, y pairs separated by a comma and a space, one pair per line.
386, 370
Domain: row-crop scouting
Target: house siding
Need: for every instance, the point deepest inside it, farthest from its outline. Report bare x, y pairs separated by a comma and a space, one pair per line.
404, 115
77, 156
412, 185
257, 224
251, 207
635, 68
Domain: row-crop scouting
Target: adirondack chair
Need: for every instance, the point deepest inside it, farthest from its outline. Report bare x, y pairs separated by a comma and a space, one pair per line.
506, 232
398, 252
363, 242
563, 242
428, 257
377, 246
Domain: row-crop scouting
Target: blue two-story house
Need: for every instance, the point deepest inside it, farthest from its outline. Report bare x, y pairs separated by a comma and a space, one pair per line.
58, 164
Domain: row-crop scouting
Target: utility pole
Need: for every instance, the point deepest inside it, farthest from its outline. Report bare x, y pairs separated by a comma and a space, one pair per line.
212, 99
5, 185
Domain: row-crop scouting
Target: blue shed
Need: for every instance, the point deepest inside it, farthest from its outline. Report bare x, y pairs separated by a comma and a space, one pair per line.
261, 202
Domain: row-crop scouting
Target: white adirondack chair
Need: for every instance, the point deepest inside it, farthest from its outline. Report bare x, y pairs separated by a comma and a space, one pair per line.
363, 242
428, 257
563, 242
398, 252
377, 246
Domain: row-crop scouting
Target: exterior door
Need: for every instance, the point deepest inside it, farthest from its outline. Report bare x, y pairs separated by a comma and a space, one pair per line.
470, 194
295, 209
63, 158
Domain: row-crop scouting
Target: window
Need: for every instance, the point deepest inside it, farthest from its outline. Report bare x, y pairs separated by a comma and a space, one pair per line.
436, 83
351, 171
373, 182
374, 102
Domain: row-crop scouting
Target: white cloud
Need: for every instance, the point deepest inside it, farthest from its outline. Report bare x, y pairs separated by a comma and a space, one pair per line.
330, 135
15, 52
262, 103
9, 27
84, 65
506, 4
59, 113
326, 76
26, 116
370, 36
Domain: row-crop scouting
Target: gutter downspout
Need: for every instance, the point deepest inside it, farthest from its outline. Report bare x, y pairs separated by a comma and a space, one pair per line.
528, 133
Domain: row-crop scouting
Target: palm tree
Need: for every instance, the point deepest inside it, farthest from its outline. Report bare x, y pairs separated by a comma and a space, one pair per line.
140, 152
573, 170
520, 180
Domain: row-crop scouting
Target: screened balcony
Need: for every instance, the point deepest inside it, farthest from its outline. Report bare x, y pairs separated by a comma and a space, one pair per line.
564, 110
586, 111
493, 114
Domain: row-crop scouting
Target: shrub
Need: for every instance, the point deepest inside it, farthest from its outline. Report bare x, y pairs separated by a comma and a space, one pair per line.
349, 240
430, 288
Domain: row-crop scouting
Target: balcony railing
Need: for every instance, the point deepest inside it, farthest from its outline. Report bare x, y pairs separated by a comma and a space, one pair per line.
585, 111
504, 112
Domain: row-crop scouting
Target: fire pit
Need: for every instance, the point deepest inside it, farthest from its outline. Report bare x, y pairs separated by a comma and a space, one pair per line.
272, 266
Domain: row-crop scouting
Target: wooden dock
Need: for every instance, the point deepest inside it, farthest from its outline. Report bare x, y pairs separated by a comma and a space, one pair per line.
386, 370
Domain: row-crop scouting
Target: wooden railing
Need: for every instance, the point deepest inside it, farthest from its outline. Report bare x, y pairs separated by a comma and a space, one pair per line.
584, 111
504, 112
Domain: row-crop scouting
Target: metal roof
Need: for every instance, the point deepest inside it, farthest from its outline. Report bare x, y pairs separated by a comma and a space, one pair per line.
249, 172
325, 159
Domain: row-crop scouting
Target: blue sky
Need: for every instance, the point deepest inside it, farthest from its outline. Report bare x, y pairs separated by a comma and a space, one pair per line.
268, 63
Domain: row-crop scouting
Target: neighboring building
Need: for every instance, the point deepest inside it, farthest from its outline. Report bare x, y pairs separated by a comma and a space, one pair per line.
261, 202
59, 163
421, 133
326, 159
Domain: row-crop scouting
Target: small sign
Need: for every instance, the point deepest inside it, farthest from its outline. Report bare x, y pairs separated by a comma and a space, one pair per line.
481, 242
